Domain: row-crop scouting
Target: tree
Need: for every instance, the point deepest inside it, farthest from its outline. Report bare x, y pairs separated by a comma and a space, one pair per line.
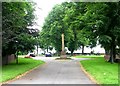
85, 24
74, 19
54, 27
44, 40
16, 17
104, 22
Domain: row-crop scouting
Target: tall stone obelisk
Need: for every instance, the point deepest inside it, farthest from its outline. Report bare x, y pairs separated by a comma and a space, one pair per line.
63, 54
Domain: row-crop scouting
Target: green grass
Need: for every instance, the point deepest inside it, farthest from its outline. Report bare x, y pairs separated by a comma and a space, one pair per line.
102, 71
12, 70
88, 56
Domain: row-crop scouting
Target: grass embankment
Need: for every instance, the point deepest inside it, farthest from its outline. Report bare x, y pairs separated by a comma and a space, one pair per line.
103, 72
12, 70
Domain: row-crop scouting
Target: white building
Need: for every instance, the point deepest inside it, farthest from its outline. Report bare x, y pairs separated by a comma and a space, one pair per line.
96, 49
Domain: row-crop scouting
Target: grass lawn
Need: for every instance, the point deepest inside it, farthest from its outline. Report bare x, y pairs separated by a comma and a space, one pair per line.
89, 56
102, 71
12, 70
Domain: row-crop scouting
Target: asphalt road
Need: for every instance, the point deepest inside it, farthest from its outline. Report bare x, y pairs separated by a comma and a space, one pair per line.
56, 72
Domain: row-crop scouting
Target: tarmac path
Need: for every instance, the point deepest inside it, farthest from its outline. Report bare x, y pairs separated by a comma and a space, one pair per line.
56, 72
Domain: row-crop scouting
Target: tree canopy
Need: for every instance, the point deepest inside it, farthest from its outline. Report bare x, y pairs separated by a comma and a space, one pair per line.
16, 36
84, 24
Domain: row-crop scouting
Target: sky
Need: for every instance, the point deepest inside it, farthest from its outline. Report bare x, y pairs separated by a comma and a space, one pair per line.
42, 10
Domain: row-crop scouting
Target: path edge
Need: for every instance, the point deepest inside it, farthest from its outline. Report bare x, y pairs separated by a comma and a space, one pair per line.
88, 75
21, 75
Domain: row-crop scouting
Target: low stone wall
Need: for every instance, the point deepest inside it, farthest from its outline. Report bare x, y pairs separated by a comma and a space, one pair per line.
106, 57
8, 59
11, 58
117, 56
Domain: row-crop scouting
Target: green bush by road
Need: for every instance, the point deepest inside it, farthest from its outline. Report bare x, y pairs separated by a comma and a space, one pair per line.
12, 70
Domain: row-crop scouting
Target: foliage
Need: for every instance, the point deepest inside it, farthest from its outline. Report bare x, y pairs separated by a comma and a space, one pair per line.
73, 22
62, 19
85, 24
105, 24
54, 27
16, 17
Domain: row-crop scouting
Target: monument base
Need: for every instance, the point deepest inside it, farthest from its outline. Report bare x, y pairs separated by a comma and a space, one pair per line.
63, 59
63, 55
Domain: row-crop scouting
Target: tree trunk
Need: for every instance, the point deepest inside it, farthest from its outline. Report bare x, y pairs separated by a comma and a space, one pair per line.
16, 57
47, 48
111, 56
72, 52
58, 53
112, 51
37, 49
82, 49
107, 51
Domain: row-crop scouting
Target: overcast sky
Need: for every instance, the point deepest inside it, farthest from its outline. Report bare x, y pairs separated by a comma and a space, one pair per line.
45, 7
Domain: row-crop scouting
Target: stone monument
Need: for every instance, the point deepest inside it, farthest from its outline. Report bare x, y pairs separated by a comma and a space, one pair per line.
63, 54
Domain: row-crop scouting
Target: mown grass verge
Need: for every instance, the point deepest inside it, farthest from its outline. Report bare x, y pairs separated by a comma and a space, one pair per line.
12, 70
102, 71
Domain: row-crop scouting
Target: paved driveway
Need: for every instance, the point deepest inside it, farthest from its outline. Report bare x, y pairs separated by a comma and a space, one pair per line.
56, 72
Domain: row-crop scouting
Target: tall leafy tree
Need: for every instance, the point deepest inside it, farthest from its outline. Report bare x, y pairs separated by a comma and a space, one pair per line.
87, 24
104, 22
16, 36
54, 27
74, 22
